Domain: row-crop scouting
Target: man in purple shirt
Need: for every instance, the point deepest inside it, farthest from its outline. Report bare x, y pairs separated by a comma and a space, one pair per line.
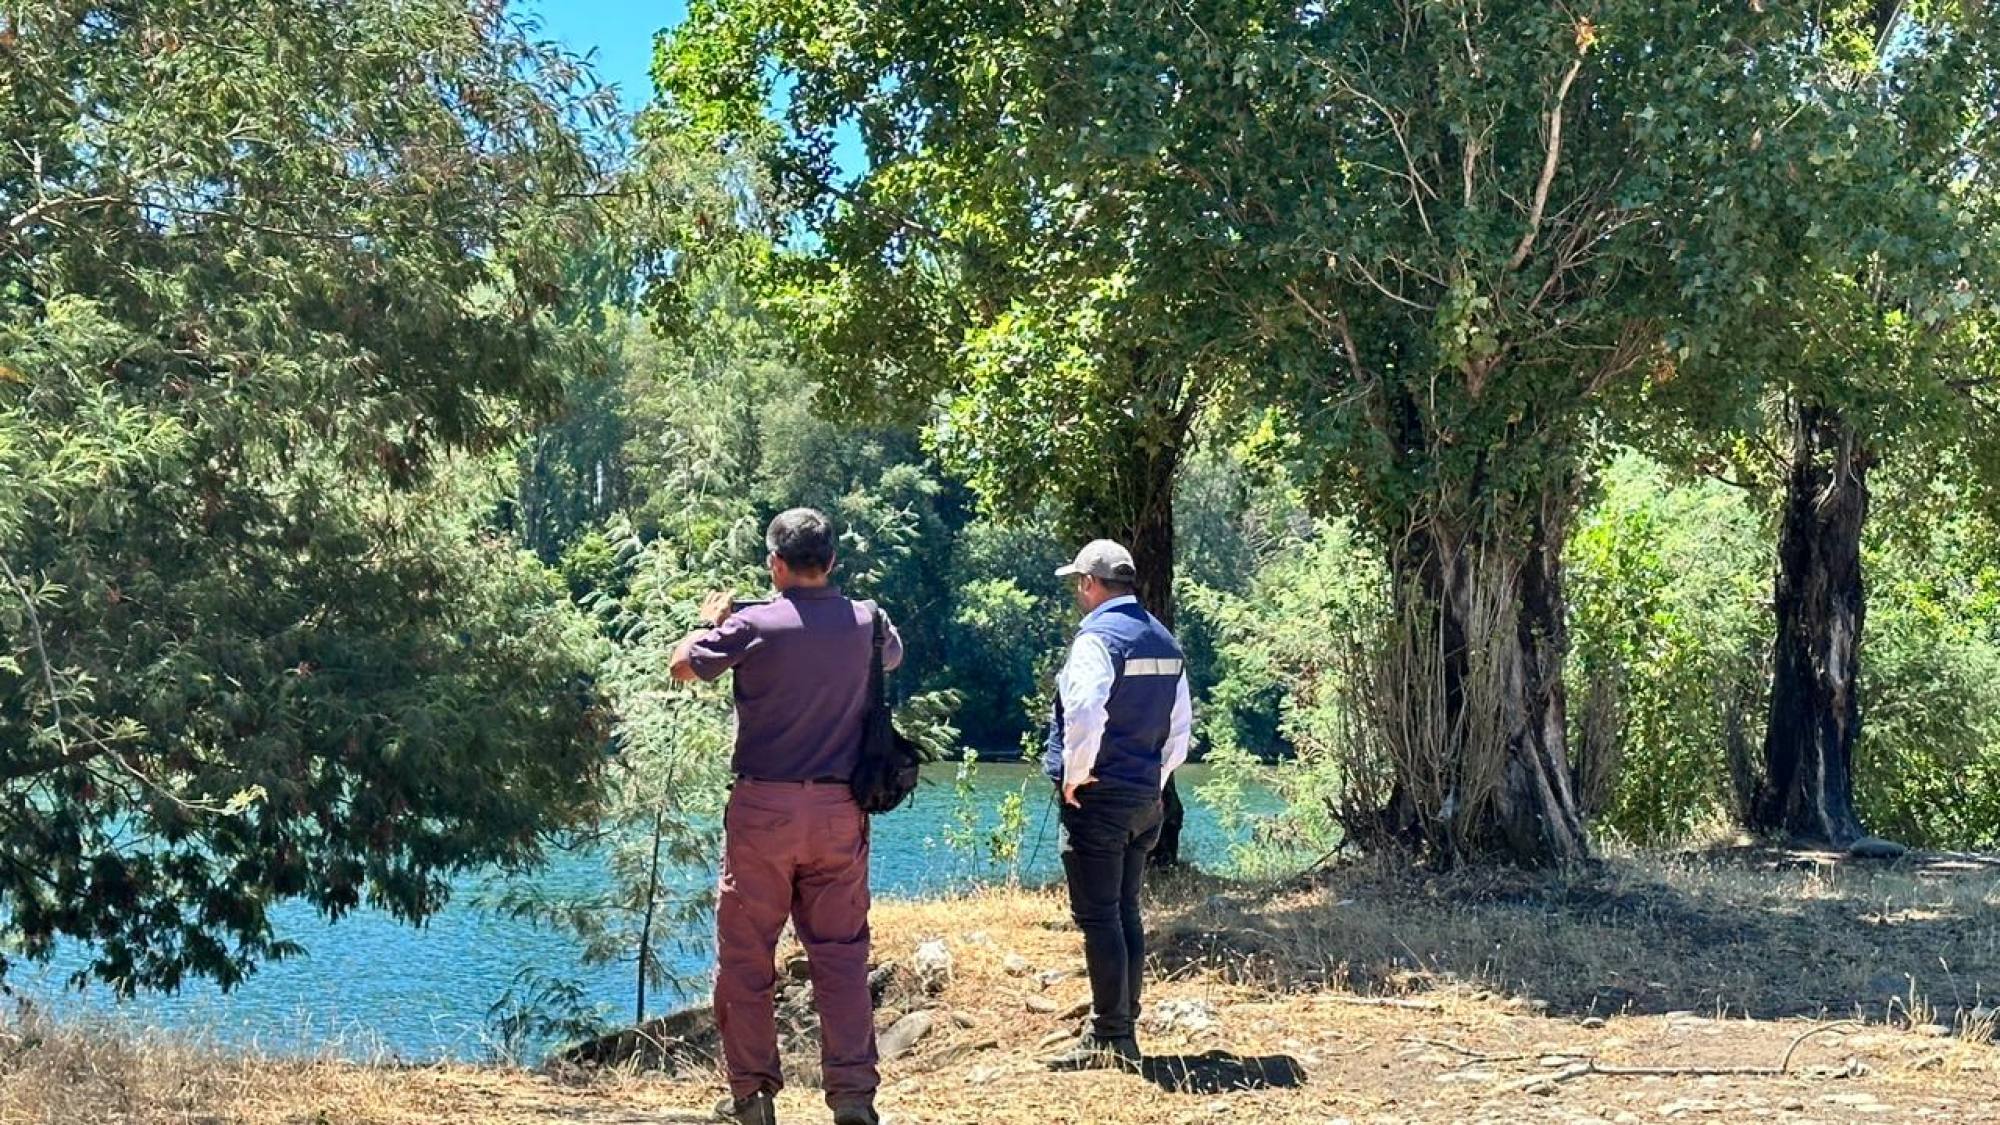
794, 843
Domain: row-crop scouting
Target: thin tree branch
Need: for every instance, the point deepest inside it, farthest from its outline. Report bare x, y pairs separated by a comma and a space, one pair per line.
86, 747
1549, 162
68, 755
1590, 1067
1347, 345
898, 218
1309, 308
1419, 187
1385, 290
1387, 1002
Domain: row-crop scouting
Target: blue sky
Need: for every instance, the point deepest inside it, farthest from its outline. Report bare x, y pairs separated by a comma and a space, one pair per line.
616, 34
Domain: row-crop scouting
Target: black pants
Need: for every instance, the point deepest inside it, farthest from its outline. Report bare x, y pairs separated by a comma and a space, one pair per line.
1104, 847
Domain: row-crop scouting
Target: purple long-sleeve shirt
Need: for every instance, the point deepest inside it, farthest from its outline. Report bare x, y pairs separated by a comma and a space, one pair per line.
801, 665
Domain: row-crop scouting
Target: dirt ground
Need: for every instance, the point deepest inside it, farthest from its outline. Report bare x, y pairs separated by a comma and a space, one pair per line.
1728, 987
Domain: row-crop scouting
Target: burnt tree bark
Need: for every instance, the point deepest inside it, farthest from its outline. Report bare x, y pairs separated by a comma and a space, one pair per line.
1807, 792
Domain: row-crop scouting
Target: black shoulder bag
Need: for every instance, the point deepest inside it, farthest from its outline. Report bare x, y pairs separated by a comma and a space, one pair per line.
886, 775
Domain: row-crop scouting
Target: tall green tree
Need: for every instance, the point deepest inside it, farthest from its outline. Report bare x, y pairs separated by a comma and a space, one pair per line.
1860, 336
1490, 219
981, 273
1879, 359
1453, 210
1016, 265
274, 277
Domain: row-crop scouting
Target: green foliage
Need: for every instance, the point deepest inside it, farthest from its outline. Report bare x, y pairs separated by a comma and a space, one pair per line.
1927, 769
659, 821
983, 840
1233, 518
1669, 615
1862, 241
961, 835
1289, 641
1003, 843
1264, 850
999, 639
273, 278
718, 432
1011, 287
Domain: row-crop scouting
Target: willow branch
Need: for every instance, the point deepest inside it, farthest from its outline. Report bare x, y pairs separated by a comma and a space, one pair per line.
1309, 308
1549, 161
1371, 279
68, 755
1419, 186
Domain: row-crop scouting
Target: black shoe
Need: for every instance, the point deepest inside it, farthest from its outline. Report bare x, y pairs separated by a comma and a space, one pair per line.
1093, 1053
757, 1109
856, 1113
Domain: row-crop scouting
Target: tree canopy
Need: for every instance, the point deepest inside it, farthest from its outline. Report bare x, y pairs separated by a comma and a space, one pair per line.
371, 415
274, 276
1438, 242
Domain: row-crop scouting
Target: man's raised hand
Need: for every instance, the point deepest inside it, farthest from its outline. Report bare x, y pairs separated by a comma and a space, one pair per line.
716, 607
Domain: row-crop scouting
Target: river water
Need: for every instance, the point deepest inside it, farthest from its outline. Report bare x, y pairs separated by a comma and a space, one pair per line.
370, 987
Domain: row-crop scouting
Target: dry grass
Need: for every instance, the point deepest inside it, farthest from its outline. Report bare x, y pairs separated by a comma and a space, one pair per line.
1743, 933
1498, 985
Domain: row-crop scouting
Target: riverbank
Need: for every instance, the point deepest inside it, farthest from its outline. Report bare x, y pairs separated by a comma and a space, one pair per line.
1738, 986
371, 986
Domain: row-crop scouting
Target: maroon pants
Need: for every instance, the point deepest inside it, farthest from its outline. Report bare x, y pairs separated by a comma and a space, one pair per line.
797, 851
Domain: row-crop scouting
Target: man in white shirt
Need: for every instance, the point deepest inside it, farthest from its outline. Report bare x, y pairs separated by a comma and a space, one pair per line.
1122, 724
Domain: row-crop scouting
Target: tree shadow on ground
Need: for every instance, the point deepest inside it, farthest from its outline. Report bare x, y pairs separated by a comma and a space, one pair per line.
1747, 932
1219, 1072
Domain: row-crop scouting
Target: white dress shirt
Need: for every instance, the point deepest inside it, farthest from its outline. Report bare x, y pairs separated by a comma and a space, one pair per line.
1085, 683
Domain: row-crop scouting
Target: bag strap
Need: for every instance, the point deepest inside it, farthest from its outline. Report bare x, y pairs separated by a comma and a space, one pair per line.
878, 687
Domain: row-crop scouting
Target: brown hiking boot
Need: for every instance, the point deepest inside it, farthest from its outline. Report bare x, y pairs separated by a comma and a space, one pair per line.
1093, 1053
757, 1109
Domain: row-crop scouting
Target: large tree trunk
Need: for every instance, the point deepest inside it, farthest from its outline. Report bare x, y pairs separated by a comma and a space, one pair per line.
1808, 786
1152, 544
1151, 539
1469, 706
1538, 811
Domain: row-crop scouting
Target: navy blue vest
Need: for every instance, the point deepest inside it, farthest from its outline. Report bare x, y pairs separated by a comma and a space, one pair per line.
1147, 664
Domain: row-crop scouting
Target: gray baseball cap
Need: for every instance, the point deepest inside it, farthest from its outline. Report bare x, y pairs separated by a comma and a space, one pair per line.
1101, 558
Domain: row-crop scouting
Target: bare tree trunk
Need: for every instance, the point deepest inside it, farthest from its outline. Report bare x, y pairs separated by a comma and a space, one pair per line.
1152, 543
1136, 508
652, 903
1468, 704
1538, 811
1808, 786
1151, 538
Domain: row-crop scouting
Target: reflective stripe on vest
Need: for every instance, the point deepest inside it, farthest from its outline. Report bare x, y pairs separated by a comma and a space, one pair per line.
1149, 666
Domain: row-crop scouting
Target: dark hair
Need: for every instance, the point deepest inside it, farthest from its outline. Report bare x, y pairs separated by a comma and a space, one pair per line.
1118, 589
803, 538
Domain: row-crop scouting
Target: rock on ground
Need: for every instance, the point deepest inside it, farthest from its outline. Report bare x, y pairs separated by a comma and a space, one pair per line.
1875, 847
933, 966
904, 1034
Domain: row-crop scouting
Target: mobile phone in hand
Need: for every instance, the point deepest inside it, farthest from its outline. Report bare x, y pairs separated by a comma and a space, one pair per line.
738, 605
